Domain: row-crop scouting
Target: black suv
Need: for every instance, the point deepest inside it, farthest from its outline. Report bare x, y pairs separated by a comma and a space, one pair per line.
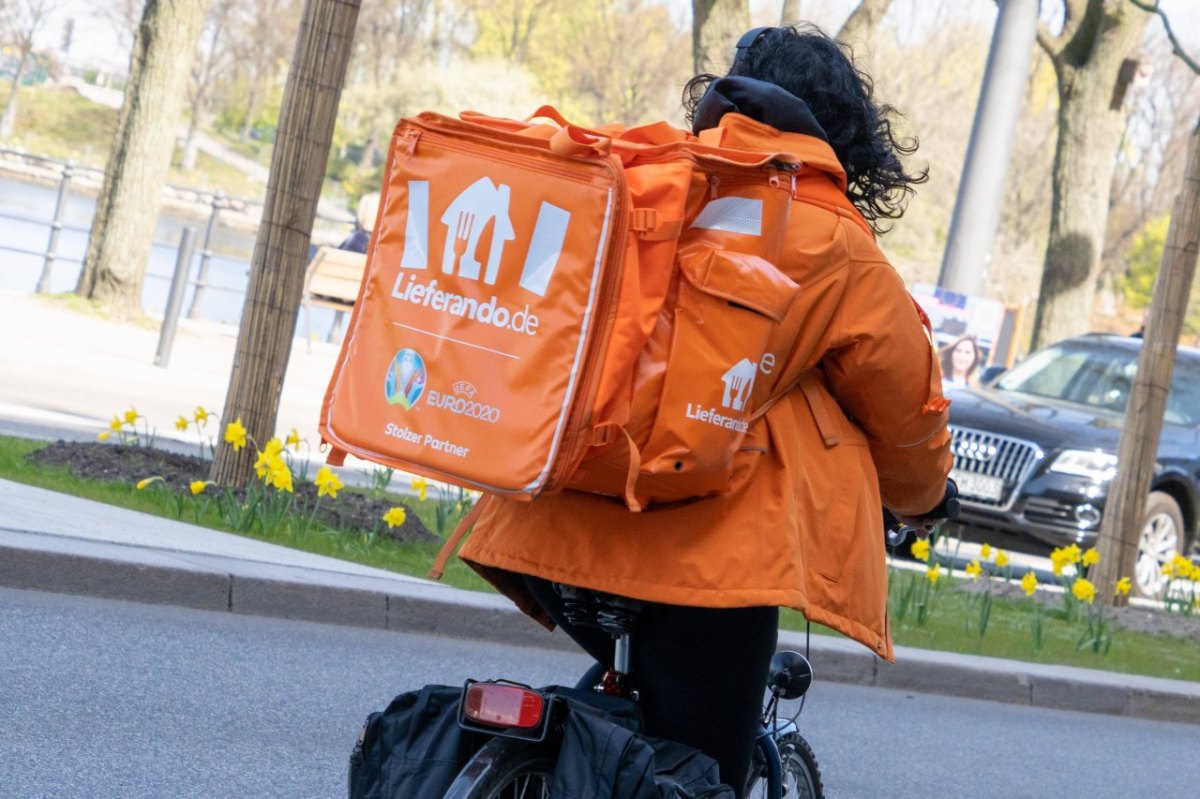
1035, 451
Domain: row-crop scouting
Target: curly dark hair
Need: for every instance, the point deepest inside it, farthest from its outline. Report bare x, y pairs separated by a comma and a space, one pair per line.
810, 64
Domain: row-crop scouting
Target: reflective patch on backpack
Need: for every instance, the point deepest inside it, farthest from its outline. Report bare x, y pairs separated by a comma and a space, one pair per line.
732, 214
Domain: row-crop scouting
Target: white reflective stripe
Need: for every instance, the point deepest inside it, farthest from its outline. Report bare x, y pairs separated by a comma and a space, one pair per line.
732, 214
545, 248
416, 227
601, 245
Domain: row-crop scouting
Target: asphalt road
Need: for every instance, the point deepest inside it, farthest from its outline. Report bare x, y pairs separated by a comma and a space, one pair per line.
107, 699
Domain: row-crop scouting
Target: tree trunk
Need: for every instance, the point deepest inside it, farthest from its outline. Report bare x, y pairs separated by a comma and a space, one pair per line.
8, 122
1121, 528
187, 161
251, 109
860, 26
367, 159
306, 121
1090, 122
716, 26
127, 209
790, 13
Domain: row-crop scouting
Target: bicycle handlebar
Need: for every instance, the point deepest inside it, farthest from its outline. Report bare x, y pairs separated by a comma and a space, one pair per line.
948, 508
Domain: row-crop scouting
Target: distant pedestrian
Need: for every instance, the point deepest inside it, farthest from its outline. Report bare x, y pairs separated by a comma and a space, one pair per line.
961, 361
364, 223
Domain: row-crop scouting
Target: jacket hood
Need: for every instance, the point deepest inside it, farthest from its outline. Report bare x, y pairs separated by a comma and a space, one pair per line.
757, 99
755, 115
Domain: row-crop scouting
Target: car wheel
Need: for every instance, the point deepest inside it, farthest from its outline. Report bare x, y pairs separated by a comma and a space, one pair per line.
1162, 538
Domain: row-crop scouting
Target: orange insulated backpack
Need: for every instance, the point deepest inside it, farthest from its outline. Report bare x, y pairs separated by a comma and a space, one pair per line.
549, 307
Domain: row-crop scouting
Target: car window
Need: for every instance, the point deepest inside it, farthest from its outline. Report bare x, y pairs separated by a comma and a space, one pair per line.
1101, 378
1183, 403
1046, 373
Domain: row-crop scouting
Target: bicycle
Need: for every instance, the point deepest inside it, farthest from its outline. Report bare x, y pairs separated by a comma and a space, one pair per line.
518, 761
523, 726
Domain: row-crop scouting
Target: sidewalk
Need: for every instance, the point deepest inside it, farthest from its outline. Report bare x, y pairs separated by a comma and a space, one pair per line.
64, 374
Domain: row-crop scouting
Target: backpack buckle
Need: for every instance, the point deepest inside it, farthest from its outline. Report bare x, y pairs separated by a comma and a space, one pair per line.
649, 224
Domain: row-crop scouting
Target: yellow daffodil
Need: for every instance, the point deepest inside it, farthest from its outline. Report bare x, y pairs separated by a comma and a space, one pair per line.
1183, 567
1063, 557
274, 447
1091, 557
141, 484
985, 552
181, 423
262, 466
974, 570
395, 517
1083, 590
131, 416
421, 487
1168, 570
235, 434
1123, 586
198, 486
327, 482
293, 439
103, 436
201, 415
1029, 583
920, 549
115, 424
933, 574
1001, 558
281, 475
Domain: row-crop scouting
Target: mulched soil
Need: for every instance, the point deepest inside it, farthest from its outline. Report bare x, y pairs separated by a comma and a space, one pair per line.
120, 463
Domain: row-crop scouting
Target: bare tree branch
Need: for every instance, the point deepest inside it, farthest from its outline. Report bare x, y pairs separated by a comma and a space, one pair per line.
1176, 47
1051, 43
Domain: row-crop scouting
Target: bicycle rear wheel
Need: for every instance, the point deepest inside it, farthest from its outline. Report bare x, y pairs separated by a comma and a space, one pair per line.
801, 776
505, 769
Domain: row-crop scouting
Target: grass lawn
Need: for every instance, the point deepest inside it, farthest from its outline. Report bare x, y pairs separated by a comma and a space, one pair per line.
951, 622
58, 123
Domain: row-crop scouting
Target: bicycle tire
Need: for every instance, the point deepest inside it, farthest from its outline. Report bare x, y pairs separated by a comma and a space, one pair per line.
505, 769
801, 775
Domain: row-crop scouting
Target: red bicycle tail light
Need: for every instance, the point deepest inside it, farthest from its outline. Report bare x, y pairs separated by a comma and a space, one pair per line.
502, 705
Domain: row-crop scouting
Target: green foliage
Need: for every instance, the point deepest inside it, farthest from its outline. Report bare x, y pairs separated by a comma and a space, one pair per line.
612, 60
1144, 257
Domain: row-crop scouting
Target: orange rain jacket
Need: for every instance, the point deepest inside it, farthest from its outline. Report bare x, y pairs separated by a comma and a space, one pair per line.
801, 527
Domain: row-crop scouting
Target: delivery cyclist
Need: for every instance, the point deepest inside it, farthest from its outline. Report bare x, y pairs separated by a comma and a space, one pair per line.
865, 426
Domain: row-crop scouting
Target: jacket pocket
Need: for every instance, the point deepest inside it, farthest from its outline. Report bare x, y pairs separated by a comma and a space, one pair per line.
727, 307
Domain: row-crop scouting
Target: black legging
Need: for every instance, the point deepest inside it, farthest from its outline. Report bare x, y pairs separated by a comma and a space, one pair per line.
700, 673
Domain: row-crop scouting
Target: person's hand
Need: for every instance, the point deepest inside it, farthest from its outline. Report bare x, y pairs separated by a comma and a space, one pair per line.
922, 527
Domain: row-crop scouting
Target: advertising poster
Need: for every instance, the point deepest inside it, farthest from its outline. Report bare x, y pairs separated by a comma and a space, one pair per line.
971, 325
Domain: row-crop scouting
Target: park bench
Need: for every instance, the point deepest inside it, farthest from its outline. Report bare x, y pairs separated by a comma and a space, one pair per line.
331, 280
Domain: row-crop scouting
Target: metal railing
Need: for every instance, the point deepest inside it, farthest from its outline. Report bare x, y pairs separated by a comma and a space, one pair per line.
69, 172
68, 175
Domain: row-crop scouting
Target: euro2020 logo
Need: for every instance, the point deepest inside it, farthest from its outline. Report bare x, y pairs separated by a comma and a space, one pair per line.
405, 380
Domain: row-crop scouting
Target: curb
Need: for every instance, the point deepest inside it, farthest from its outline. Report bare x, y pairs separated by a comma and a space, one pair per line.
1001, 680
291, 596
219, 584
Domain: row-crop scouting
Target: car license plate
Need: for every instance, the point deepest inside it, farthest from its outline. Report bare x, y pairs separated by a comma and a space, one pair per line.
978, 486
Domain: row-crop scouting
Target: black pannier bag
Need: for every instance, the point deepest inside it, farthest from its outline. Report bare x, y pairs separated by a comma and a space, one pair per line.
415, 748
